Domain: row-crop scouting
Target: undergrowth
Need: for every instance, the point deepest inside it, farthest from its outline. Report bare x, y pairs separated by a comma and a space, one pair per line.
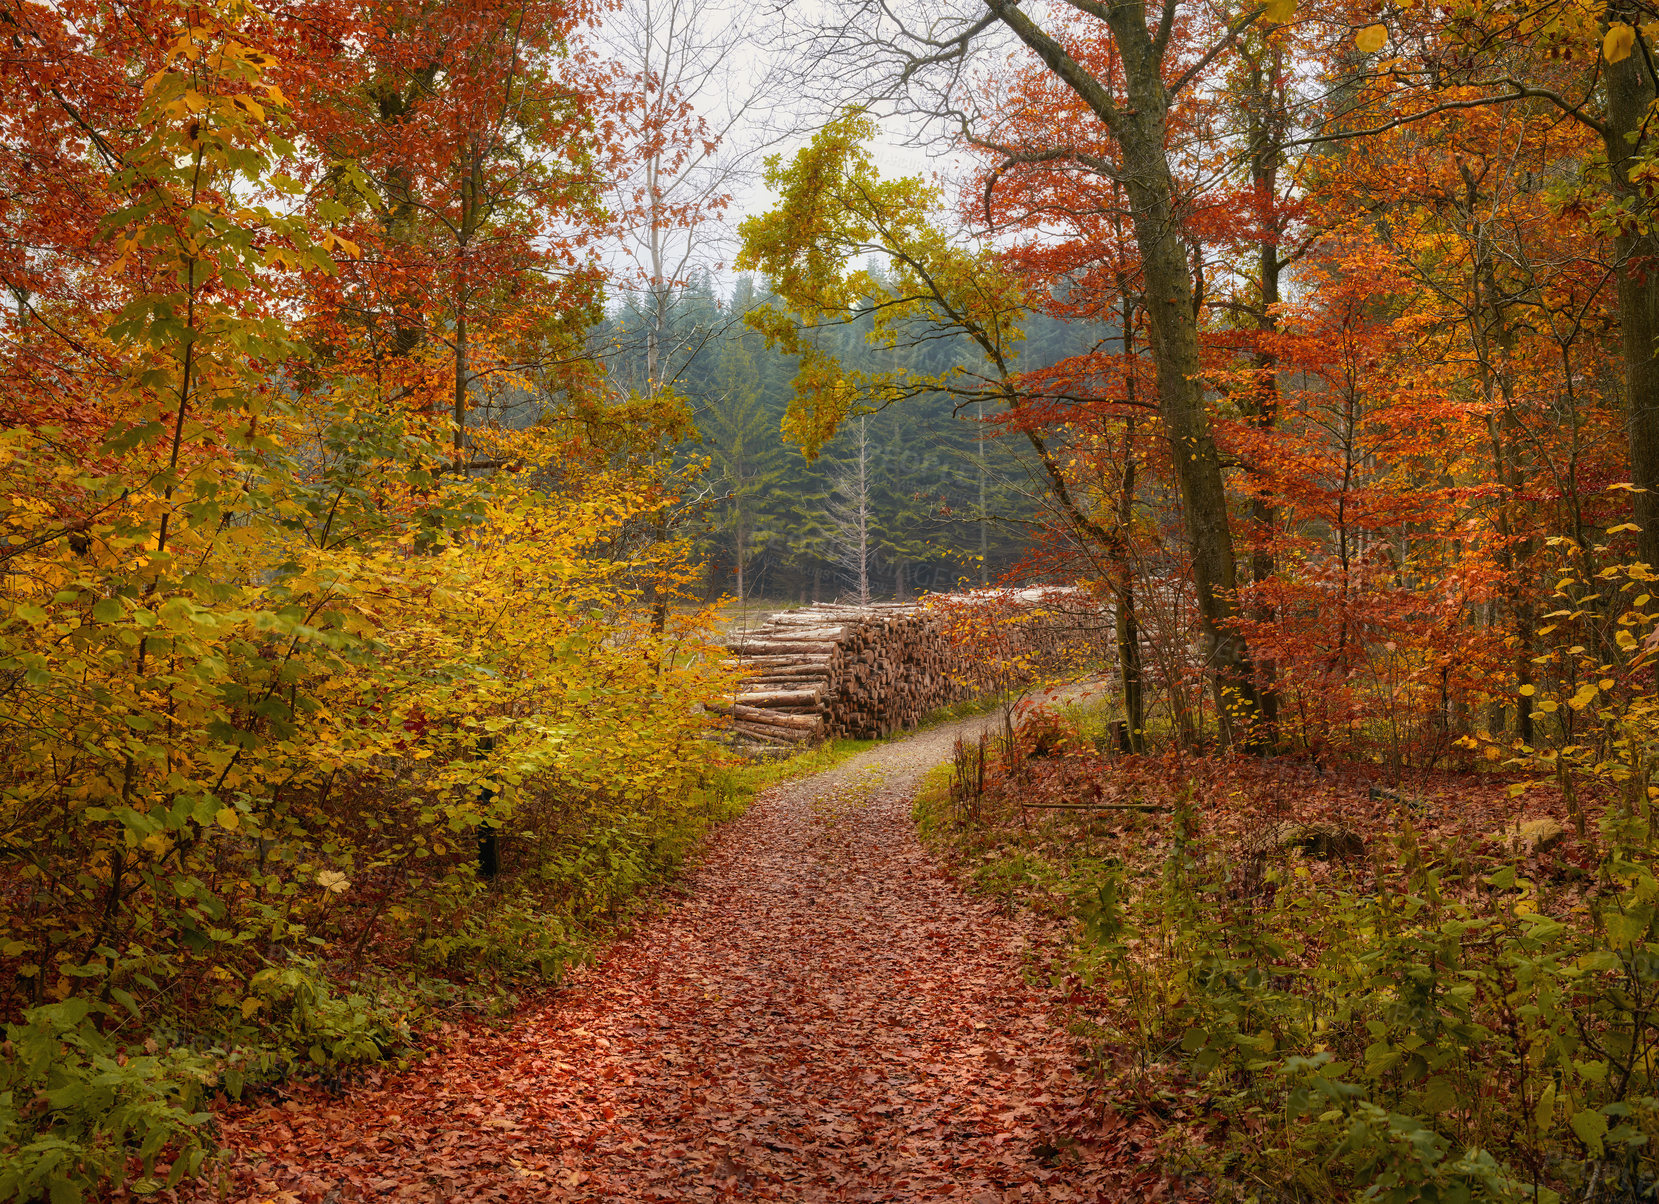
1467, 1010
95, 1094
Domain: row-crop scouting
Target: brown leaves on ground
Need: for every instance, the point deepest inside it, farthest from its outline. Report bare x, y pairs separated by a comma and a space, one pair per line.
1236, 802
824, 1016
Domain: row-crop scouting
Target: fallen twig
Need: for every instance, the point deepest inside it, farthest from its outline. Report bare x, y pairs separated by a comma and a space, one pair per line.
1097, 806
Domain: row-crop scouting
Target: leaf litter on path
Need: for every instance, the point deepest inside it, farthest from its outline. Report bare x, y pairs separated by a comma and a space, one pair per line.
824, 1016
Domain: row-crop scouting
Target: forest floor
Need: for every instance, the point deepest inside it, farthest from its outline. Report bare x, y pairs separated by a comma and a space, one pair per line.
820, 1014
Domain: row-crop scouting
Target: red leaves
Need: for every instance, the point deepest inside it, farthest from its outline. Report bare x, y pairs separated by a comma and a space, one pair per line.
823, 1017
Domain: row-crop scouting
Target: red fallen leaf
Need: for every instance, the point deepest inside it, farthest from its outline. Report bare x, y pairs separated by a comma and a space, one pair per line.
822, 998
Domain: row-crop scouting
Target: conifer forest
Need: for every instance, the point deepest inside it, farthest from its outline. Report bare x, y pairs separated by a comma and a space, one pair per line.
678, 600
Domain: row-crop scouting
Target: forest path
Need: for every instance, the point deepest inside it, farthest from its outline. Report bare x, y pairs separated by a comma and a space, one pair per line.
824, 1016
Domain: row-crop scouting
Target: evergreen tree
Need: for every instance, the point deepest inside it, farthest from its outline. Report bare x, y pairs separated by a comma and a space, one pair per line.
745, 454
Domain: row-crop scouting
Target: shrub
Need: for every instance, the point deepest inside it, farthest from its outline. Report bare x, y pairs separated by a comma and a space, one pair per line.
75, 1113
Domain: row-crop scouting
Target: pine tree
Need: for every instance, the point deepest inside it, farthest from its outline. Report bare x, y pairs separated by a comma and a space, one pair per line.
746, 456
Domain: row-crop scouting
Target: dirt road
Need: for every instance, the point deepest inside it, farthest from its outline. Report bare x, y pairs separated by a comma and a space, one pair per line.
823, 1016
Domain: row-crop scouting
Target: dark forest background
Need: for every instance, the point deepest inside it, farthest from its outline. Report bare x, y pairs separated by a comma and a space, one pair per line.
949, 497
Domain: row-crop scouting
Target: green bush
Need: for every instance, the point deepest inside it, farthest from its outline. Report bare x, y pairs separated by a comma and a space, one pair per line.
75, 1112
1419, 1047
302, 1016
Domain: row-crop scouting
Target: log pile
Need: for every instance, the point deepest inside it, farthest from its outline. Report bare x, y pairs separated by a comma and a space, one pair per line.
833, 669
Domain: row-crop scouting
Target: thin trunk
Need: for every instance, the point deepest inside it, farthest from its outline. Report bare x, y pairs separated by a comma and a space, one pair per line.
460, 408
984, 535
742, 555
863, 514
1123, 575
472, 169
1128, 626
1491, 337
1264, 515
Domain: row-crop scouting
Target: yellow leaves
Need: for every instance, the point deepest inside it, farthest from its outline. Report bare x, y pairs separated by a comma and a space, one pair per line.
333, 881
332, 242
1528, 691
186, 104
1619, 42
186, 47
1584, 697
834, 214
1279, 11
1371, 39
228, 819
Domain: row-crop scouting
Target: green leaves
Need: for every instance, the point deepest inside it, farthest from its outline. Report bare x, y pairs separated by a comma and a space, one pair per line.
101, 1109
1589, 1127
835, 212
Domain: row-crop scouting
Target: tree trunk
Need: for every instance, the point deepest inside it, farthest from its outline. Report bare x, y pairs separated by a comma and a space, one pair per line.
1140, 129
984, 534
742, 555
1127, 626
1630, 95
460, 414
1267, 132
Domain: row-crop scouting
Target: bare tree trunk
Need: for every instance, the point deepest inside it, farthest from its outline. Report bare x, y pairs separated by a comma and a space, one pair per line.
742, 555
460, 414
1268, 126
1127, 626
1125, 622
984, 519
849, 511
472, 171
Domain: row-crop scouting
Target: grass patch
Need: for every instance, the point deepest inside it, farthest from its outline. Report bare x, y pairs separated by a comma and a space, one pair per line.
740, 783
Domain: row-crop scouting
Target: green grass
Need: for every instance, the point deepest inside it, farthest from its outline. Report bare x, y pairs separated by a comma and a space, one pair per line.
736, 786
932, 808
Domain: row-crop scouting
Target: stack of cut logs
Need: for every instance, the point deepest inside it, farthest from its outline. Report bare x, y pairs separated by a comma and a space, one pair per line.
832, 669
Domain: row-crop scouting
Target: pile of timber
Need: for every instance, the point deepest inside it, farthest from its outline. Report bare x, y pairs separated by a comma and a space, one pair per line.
833, 669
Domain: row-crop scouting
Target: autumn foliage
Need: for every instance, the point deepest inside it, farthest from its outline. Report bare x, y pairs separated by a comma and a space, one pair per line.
347, 667
334, 646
